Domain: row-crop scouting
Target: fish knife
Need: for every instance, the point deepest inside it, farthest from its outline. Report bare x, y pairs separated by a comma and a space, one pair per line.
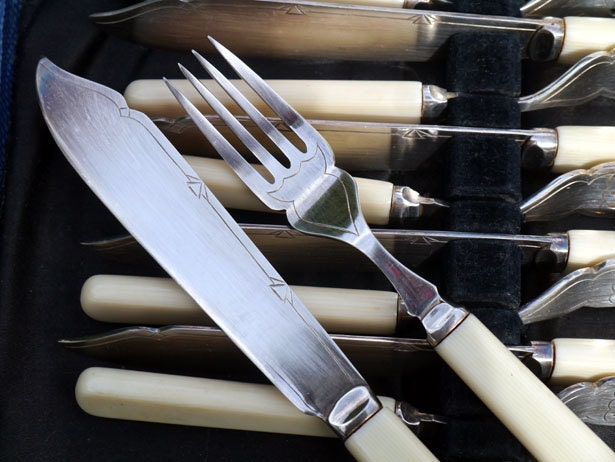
303, 29
406, 147
555, 252
561, 361
154, 193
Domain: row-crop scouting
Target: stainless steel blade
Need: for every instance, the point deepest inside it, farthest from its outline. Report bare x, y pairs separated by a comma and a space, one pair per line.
303, 29
207, 349
367, 145
153, 192
287, 248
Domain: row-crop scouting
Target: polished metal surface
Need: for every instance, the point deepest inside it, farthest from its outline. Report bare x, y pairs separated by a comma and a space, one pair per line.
205, 349
303, 29
593, 402
561, 8
286, 247
585, 192
368, 145
588, 79
592, 287
407, 203
159, 199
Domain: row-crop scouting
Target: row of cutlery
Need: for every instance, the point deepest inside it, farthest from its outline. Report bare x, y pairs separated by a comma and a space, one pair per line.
374, 132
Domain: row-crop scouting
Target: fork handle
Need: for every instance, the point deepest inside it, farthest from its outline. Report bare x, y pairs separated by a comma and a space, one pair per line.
541, 422
583, 147
584, 36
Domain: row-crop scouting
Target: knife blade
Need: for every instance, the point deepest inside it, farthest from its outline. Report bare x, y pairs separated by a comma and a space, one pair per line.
303, 29
137, 173
406, 147
379, 101
286, 248
531, 9
561, 361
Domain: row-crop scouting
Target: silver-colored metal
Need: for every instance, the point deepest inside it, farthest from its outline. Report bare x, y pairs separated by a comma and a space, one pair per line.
593, 402
585, 192
404, 146
286, 247
319, 198
435, 100
160, 200
562, 8
407, 203
588, 79
414, 418
592, 287
441, 321
541, 354
352, 410
314, 30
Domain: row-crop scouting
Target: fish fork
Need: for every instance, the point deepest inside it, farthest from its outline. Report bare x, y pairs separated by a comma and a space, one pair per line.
321, 199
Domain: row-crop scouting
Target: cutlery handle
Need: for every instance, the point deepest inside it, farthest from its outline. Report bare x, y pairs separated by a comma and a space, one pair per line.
582, 360
171, 399
375, 196
583, 147
584, 36
589, 247
373, 101
160, 301
385, 438
541, 422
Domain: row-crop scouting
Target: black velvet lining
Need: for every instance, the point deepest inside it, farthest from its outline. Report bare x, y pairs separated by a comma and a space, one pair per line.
498, 8
476, 216
488, 111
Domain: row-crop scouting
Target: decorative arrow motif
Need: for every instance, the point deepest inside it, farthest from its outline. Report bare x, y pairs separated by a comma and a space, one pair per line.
197, 187
281, 289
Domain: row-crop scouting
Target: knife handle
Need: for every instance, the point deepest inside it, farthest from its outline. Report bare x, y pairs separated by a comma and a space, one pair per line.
171, 399
589, 247
375, 196
541, 422
582, 360
384, 437
583, 36
583, 147
364, 100
160, 301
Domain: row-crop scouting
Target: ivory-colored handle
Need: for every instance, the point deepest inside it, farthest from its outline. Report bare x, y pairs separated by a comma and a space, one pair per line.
374, 196
174, 399
582, 360
160, 301
368, 101
586, 35
583, 147
589, 247
171, 399
541, 422
385, 438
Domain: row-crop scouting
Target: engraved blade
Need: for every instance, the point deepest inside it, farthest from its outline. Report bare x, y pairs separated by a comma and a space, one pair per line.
357, 145
593, 402
153, 192
303, 29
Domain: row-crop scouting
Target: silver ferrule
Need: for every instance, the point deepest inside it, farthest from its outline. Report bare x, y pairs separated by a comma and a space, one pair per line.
405, 203
540, 149
555, 254
352, 410
546, 43
543, 355
435, 100
441, 320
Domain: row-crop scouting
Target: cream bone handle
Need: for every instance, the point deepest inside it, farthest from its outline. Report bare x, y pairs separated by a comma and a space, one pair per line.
174, 399
385, 101
160, 301
548, 429
583, 36
589, 247
376, 197
583, 147
162, 398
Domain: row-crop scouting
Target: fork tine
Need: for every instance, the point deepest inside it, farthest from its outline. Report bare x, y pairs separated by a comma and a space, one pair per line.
244, 103
268, 160
286, 113
253, 179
